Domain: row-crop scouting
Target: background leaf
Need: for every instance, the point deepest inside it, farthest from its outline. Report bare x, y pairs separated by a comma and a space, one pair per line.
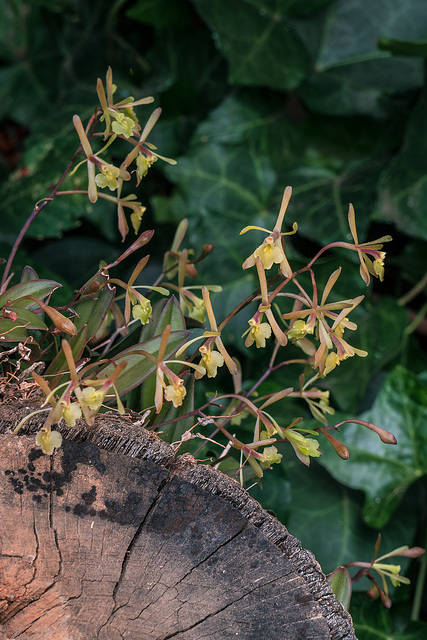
385, 472
255, 38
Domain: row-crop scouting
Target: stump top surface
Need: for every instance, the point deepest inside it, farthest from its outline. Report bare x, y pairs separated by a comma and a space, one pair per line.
110, 546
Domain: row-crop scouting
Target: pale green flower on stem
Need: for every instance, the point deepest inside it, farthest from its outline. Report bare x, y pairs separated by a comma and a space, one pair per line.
391, 571
71, 412
143, 163
198, 309
319, 314
271, 251
385, 570
365, 250
142, 310
175, 393
108, 177
299, 329
216, 335
318, 402
272, 456
211, 337
92, 398
258, 332
144, 152
123, 123
332, 360
210, 361
303, 447
49, 440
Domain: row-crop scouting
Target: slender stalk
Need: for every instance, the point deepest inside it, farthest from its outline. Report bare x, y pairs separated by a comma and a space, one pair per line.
33, 215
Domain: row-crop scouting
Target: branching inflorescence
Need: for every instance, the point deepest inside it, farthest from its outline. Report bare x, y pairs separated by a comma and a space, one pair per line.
82, 367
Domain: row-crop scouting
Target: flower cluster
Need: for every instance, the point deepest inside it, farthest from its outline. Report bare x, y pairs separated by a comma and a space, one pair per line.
80, 397
120, 121
386, 570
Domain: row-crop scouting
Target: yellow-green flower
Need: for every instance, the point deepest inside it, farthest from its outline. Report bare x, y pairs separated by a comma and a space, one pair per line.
49, 441
258, 333
271, 251
303, 447
272, 456
71, 412
92, 398
391, 571
108, 177
175, 393
299, 330
122, 125
197, 312
210, 360
332, 361
143, 310
143, 163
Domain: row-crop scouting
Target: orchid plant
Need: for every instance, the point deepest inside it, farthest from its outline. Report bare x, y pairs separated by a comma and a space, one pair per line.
136, 352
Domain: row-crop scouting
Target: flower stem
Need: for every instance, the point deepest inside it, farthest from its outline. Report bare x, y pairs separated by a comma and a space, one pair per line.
33, 215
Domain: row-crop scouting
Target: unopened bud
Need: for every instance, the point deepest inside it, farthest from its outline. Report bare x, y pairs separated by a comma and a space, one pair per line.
191, 270
61, 322
338, 446
413, 552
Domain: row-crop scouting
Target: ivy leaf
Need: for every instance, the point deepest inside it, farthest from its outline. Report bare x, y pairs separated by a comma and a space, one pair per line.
329, 519
403, 187
351, 74
403, 47
256, 38
373, 622
379, 332
385, 472
223, 188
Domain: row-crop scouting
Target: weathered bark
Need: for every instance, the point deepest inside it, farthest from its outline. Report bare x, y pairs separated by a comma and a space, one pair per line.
114, 538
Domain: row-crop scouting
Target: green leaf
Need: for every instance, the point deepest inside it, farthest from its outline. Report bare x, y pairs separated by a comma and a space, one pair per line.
326, 516
44, 162
373, 622
340, 582
225, 187
403, 47
32, 320
351, 75
380, 327
385, 472
37, 288
93, 310
362, 88
258, 40
9, 332
161, 13
403, 187
139, 367
348, 18
59, 364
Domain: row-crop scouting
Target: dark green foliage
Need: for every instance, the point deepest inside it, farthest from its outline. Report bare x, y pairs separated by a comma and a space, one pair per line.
325, 95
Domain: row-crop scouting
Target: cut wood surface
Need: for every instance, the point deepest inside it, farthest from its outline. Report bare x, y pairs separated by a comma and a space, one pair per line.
115, 538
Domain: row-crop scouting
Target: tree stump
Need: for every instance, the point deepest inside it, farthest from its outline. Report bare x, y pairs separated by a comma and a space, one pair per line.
115, 538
